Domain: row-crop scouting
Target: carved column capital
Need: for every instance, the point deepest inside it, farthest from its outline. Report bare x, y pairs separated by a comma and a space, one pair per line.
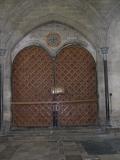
2, 51
104, 50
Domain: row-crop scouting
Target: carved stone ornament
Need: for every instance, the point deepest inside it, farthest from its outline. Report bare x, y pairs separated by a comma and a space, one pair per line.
53, 39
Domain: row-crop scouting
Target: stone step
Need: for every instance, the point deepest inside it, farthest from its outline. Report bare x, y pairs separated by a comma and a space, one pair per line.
55, 134
49, 131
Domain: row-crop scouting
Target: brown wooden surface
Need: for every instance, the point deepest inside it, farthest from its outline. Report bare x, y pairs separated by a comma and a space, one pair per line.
31, 81
77, 114
76, 73
32, 115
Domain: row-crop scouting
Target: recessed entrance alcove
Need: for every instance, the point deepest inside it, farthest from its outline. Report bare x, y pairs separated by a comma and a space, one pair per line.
53, 79
58, 92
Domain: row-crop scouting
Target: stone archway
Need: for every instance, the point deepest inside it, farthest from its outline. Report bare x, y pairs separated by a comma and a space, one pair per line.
59, 92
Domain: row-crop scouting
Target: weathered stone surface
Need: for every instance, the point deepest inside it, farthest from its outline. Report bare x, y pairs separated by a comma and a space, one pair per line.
36, 147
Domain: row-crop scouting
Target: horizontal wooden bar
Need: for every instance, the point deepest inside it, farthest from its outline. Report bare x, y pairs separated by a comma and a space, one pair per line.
55, 102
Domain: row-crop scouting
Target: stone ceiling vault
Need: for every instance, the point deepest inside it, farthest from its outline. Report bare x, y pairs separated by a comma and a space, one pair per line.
92, 17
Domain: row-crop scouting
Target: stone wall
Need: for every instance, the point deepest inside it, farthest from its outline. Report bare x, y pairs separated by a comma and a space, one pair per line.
114, 68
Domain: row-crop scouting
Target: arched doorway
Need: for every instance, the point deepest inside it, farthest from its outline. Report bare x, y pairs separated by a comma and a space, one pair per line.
59, 92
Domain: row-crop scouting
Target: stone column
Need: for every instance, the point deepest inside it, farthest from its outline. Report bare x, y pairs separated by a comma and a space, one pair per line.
2, 53
104, 52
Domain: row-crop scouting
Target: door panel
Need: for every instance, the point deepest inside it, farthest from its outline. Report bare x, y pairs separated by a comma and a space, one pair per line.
76, 73
31, 85
77, 114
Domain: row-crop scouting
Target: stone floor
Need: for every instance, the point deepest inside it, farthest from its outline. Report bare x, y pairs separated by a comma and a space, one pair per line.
60, 145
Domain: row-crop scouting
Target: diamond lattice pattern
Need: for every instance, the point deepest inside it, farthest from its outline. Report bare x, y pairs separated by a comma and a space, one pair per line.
32, 79
76, 73
31, 82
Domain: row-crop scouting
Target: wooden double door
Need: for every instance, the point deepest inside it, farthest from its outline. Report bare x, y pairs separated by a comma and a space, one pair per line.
59, 91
